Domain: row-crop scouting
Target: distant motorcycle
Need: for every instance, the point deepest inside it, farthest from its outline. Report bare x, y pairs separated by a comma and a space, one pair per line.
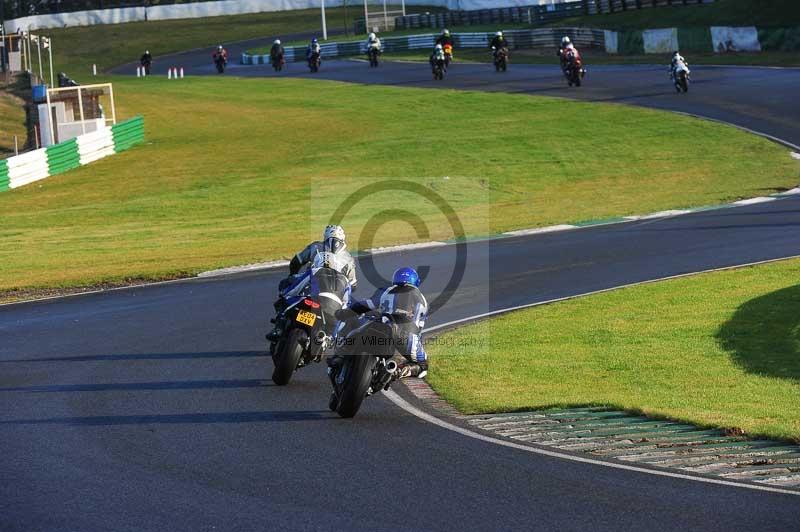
574, 71
314, 62
278, 62
438, 69
373, 54
220, 63
680, 77
308, 321
367, 367
500, 59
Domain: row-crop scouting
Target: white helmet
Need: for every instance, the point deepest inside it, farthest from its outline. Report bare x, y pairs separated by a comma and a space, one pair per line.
445, 32
333, 231
565, 40
371, 36
277, 41
219, 47
499, 34
437, 47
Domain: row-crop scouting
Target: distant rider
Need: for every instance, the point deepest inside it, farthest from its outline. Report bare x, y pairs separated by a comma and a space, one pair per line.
437, 57
313, 49
333, 241
146, 60
220, 53
406, 307
498, 43
373, 43
276, 52
447, 44
444, 39
568, 52
677, 61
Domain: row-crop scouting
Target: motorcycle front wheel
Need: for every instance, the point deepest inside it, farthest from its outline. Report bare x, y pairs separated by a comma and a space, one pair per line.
357, 380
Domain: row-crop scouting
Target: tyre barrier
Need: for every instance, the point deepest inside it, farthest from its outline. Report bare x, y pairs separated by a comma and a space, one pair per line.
35, 165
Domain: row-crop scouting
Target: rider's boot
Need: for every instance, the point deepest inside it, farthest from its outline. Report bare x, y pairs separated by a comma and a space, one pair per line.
413, 369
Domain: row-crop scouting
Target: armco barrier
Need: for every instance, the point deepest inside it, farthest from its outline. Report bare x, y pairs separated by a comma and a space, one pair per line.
658, 41
3, 175
128, 133
59, 158
63, 157
27, 168
583, 37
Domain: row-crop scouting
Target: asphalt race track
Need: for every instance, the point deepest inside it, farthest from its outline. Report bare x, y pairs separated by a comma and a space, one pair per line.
151, 408
761, 99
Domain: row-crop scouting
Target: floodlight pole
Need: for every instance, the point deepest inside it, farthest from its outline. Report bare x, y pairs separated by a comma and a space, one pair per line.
2, 40
50, 53
366, 17
30, 58
39, 52
385, 17
324, 25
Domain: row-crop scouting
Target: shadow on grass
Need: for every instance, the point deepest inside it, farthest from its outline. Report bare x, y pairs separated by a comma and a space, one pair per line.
763, 336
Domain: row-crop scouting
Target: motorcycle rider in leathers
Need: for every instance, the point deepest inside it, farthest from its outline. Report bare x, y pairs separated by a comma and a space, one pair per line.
677, 60
498, 43
403, 305
333, 241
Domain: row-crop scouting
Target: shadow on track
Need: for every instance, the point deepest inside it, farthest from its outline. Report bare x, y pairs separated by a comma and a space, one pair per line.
763, 336
143, 356
204, 418
135, 386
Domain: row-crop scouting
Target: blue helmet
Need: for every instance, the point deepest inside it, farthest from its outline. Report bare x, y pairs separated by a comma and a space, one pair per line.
404, 276
314, 40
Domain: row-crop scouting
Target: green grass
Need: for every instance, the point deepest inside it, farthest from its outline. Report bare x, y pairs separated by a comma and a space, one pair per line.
237, 182
718, 350
76, 49
12, 122
762, 13
594, 57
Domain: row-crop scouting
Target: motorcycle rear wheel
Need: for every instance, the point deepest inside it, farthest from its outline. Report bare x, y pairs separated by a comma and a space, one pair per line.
288, 356
354, 389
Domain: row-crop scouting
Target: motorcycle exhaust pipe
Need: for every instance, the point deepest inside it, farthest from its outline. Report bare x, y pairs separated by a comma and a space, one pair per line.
391, 366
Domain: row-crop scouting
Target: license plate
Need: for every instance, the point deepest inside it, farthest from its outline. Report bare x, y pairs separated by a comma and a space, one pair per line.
306, 317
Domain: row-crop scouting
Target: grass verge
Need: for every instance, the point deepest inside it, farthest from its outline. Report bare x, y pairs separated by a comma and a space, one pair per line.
719, 350
237, 182
12, 123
